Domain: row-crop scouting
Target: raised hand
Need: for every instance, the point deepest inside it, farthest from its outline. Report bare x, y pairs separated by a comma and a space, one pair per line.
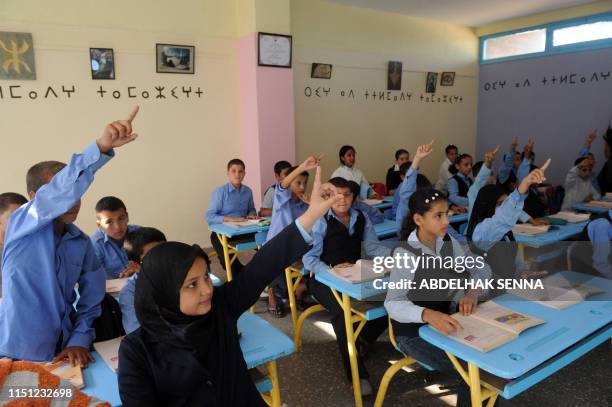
514, 144
311, 162
422, 152
118, 133
490, 156
590, 138
528, 148
535, 177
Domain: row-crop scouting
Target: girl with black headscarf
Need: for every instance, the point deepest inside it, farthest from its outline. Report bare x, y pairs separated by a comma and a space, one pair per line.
187, 350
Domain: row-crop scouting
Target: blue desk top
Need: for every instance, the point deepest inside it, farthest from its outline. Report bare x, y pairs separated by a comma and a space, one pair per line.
388, 198
361, 291
561, 232
385, 229
235, 231
592, 209
383, 205
260, 344
460, 217
536, 345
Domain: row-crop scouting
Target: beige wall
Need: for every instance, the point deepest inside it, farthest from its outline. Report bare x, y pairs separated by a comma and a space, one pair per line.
167, 175
359, 42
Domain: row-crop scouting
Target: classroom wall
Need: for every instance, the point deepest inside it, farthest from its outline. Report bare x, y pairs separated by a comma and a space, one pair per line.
558, 101
167, 175
359, 43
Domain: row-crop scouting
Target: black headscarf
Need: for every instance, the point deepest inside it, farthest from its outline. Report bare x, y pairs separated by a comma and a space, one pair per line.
157, 299
484, 206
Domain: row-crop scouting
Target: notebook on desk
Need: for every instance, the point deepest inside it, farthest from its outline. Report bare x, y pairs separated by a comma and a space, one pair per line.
372, 202
600, 204
66, 371
109, 351
559, 293
524, 229
115, 285
360, 272
571, 217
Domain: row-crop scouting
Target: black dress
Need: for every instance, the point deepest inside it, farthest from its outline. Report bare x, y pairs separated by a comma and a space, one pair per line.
159, 374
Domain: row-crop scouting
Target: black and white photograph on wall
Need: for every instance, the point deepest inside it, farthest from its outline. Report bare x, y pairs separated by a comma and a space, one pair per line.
447, 79
321, 71
102, 63
394, 75
175, 58
432, 80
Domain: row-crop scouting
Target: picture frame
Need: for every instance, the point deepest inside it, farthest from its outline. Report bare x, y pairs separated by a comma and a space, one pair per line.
321, 71
102, 63
447, 79
22, 66
172, 58
394, 75
431, 82
274, 50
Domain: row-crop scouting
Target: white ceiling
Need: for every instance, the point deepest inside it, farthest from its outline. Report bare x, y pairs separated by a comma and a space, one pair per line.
465, 12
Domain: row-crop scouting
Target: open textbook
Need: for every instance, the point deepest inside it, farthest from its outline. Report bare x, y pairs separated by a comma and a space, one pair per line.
248, 222
600, 204
372, 202
109, 351
66, 371
558, 292
115, 285
491, 325
360, 272
571, 217
525, 229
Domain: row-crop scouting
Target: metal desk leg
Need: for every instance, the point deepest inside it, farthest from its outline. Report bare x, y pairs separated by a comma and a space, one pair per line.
352, 349
475, 390
291, 291
273, 375
226, 255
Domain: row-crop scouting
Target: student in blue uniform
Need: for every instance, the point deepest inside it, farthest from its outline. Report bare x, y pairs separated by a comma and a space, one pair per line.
337, 242
112, 220
394, 174
137, 244
592, 252
483, 175
232, 202
290, 202
280, 172
460, 182
46, 256
585, 152
426, 234
9, 202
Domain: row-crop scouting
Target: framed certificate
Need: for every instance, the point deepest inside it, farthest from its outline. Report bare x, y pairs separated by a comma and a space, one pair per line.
274, 50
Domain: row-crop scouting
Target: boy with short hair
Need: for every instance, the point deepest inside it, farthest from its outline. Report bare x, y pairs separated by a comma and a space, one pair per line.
46, 256
112, 220
578, 185
371, 212
232, 202
444, 174
280, 172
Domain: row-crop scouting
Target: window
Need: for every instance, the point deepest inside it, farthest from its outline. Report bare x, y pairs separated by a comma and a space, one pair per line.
574, 35
582, 33
525, 42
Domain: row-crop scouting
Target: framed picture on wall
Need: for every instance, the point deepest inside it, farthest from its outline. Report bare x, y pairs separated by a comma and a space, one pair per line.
447, 79
432, 81
394, 75
102, 62
17, 56
274, 50
175, 58
321, 71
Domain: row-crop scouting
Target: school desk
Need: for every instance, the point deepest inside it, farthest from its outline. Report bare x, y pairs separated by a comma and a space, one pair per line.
536, 353
458, 218
556, 234
369, 306
261, 344
383, 205
230, 252
592, 209
386, 229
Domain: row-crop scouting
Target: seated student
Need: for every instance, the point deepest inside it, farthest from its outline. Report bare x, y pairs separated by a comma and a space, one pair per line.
578, 185
46, 256
585, 151
483, 175
421, 182
460, 182
137, 244
508, 173
494, 215
280, 172
375, 215
349, 172
232, 202
424, 234
443, 173
290, 202
604, 179
9, 202
187, 349
337, 242
394, 173
112, 221
594, 258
